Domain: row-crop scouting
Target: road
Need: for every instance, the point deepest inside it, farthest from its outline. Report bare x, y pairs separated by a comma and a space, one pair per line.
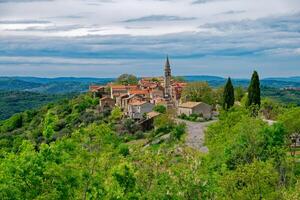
196, 134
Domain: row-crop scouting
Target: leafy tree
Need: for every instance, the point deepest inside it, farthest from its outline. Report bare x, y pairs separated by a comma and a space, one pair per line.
257, 180
254, 90
199, 92
164, 123
127, 79
178, 131
228, 96
291, 120
239, 93
160, 108
116, 114
271, 108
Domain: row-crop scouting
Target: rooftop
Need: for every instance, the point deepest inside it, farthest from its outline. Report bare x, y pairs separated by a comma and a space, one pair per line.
189, 104
137, 103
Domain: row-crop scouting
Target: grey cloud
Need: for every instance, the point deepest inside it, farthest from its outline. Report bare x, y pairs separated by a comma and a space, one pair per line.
204, 1
289, 23
24, 22
232, 12
152, 18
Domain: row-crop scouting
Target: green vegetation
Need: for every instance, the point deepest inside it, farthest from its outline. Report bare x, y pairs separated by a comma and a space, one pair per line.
254, 91
160, 108
283, 96
127, 79
228, 96
193, 117
68, 150
12, 102
199, 92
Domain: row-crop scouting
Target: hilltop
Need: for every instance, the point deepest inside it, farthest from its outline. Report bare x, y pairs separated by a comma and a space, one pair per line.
69, 150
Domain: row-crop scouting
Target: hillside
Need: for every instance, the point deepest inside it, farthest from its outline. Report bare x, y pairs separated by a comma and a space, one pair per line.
67, 150
12, 102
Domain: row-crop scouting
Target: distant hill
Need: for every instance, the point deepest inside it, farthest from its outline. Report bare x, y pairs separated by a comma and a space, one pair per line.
216, 81
63, 79
14, 84
62, 85
12, 102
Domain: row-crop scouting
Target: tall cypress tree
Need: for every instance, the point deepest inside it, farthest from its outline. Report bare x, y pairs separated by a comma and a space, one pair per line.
228, 96
254, 90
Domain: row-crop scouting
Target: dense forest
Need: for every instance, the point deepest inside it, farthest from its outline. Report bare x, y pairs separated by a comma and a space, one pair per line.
68, 150
12, 102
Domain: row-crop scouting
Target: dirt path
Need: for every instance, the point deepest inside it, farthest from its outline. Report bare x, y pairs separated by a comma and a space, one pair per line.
196, 134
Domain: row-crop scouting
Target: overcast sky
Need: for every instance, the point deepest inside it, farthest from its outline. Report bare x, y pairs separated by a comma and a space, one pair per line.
104, 38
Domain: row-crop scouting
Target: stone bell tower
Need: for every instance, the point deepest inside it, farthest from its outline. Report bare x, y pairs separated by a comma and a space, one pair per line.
167, 79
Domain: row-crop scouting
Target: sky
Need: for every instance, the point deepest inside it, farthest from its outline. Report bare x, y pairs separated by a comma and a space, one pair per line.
105, 38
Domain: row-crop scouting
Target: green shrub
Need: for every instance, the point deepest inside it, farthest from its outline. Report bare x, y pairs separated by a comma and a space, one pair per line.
124, 150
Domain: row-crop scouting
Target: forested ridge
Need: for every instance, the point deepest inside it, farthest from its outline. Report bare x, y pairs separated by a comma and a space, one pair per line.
68, 150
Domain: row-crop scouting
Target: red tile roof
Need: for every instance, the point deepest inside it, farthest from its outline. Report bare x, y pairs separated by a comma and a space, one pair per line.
144, 92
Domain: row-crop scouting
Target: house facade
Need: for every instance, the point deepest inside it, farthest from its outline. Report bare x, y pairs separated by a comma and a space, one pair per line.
198, 108
106, 104
138, 110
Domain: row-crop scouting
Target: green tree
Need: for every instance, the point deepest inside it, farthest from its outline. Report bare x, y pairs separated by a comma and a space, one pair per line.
116, 114
127, 79
239, 93
257, 180
291, 120
254, 90
228, 96
160, 108
199, 92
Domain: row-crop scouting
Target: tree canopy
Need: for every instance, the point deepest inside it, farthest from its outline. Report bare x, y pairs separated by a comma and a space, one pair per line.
127, 79
199, 92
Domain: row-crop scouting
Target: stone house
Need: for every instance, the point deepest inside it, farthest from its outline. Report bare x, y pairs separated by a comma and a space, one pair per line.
97, 90
138, 109
106, 104
198, 108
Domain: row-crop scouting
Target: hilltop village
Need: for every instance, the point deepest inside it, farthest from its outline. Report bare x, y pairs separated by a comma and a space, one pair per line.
138, 101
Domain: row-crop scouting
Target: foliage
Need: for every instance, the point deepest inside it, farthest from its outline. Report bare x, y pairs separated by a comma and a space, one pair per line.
239, 93
257, 180
12, 102
160, 108
199, 92
271, 108
291, 120
228, 96
254, 90
193, 117
283, 96
127, 79
116, 114
82, 156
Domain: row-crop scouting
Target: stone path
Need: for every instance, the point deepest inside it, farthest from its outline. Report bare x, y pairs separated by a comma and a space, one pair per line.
196, 134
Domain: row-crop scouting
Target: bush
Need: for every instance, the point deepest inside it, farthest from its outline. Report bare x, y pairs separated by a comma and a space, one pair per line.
160, 108
124, 150
178, 131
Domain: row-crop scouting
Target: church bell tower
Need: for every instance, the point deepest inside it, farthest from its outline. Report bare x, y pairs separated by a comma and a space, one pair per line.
167, 79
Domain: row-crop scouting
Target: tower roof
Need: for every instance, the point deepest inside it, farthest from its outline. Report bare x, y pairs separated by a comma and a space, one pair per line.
167, 65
